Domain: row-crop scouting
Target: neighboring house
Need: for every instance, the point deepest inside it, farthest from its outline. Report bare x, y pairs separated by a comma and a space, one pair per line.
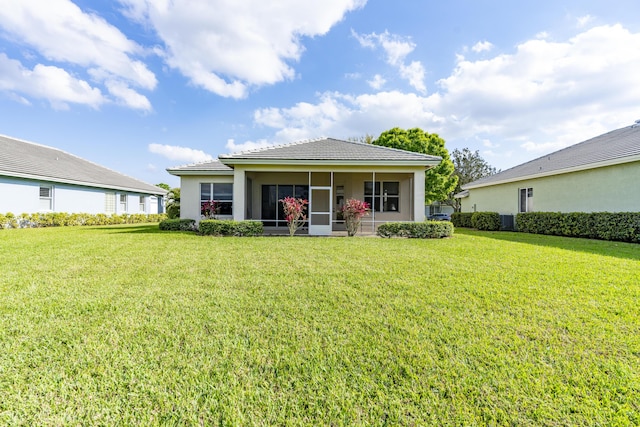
600, 174
36, 178
326, 172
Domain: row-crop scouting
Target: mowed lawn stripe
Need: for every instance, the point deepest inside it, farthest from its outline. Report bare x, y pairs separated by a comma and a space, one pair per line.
129, 325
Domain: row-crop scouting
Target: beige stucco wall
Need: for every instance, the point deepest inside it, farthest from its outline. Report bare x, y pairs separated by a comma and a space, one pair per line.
612, 188
351, 177
190, 193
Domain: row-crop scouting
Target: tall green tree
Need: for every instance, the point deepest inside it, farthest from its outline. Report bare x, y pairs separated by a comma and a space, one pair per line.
469, 167
440, 180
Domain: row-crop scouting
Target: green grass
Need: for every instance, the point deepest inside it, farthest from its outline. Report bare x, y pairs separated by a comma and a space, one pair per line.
127, 325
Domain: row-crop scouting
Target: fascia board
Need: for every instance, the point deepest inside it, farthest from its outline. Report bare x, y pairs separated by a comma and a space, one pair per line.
160, 191
556, 172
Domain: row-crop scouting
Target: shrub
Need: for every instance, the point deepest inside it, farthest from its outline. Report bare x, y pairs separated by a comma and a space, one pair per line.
294, 212
417, 230
461, 219
63, 219
214, 227
178, 225
352, 212
619, 226
486, 221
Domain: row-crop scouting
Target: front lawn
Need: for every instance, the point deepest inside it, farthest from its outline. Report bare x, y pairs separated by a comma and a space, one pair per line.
127, 325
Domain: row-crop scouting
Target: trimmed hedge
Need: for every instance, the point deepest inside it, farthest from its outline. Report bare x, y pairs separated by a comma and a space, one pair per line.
461, 219
63, 219
216, 227
619, 226
178, 225
486, 221
416, 230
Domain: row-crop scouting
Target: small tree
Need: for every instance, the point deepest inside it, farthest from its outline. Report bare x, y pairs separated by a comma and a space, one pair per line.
210, 209
294, 212
173, 203
353, 211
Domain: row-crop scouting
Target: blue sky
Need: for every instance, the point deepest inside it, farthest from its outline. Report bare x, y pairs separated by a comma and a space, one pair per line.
140, 85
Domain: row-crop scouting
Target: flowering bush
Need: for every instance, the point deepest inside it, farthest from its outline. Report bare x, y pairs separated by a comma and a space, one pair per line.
209, 209
353, 211
294, 212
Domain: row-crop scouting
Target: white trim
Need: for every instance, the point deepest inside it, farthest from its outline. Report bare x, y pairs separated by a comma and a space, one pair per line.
79, 183
345, 162
580, 168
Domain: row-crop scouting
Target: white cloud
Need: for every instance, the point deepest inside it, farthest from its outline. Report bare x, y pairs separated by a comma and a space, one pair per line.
396, 49
483, 46
46, 82
246, 146
543, 96
583, 21
377, 82
65, 36
228, 47
181, 154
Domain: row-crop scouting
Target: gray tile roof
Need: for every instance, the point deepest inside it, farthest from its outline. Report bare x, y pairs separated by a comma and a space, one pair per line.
617, 146
34, 161
329, 149
211, 167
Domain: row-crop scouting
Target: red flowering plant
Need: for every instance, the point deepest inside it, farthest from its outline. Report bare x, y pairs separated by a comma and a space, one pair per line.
353, 211
294, 212
209, 209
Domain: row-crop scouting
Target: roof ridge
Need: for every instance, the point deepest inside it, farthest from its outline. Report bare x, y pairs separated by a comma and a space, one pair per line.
78, 158
271, 147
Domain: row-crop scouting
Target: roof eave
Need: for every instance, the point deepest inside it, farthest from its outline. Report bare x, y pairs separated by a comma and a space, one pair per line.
589, 166
159, 192
182, 172
317, 162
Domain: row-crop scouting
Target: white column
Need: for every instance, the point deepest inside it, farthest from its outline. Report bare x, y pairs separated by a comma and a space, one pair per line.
418, 196
239, 197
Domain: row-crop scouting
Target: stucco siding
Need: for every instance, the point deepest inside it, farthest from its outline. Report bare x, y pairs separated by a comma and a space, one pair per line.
612, 188
190, 193
19, 196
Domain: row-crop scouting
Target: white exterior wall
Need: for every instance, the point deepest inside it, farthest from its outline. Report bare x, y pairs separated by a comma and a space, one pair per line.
612, 189
23, 196
19, 196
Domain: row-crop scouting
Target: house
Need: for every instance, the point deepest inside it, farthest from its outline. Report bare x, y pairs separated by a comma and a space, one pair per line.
600, 174
326, 171
36, 178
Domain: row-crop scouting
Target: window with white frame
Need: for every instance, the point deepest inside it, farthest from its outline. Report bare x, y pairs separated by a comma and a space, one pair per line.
46, 198
382, 196
219, 192
526, 199
123, 202
143, 204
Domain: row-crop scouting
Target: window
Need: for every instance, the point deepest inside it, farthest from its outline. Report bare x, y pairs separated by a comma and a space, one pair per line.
220, 192
46, 198
143, 204
123, 202
383, 196
272, 208
526, 199
110, 203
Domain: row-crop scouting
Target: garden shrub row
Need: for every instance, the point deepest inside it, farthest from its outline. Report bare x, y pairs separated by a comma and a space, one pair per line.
461, 219
178, 225
63, 219
485, 221
417, 230
619, 226
216, 227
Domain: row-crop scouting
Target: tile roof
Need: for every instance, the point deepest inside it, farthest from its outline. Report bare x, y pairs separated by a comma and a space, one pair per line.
329, 149
213, 166
34, 161
617, 146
